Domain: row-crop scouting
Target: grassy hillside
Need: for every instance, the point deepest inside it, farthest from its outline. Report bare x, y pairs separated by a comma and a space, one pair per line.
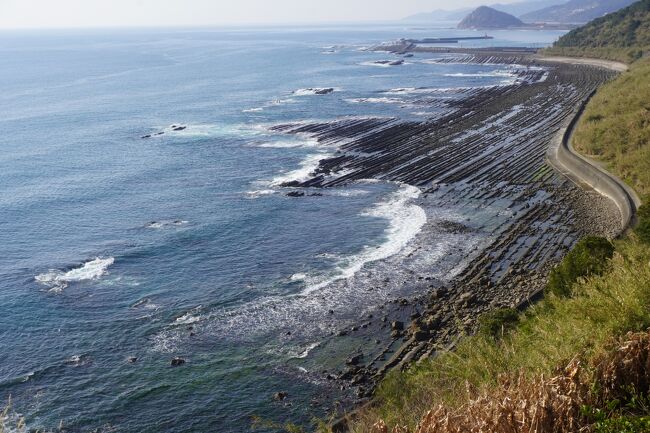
567, 363
616, 127
622, 35
575, 11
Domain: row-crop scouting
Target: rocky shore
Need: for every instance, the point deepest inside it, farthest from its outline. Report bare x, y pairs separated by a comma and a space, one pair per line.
486, 155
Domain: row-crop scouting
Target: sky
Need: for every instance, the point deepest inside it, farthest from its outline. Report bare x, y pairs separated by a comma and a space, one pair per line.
117, 13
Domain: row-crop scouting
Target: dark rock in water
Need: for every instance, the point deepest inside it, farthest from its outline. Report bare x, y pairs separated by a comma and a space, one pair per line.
421, 335
177, 362
397, 325
296, 194
159, 133
396, 333
179, 128
324, 91
408, 55
396, 62
146, 136
354, 360
291, 184
359, 378
316, 194
279, 396
382, 62
331, 311
132, 359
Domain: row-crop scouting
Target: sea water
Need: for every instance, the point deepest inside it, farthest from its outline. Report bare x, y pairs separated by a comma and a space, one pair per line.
119, 253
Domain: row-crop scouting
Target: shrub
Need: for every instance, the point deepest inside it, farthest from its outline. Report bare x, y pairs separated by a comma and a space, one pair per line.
496, 324
643, 226
623, 425
588, 257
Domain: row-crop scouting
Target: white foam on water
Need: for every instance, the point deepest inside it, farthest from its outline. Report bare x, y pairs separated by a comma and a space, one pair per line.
382, 100
261, 193
187, 319
320, 294
58, 280
405, 222
303, 352
310, 91
349, 192
253, 110
298, 277
498, 73
304, 172
383, 65
304, 141
203, 130
157, 225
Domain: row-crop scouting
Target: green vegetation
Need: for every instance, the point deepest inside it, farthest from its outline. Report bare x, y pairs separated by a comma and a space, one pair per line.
548, 335
622, 36
609, 288
498, 323
615, 127
588, 257
642, 229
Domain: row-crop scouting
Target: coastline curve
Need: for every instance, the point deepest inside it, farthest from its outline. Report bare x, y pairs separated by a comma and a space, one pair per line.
582, 170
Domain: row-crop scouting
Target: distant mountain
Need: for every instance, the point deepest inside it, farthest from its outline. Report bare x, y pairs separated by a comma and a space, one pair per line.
520, 8
575, 11
629, 27
488, 18
516, 9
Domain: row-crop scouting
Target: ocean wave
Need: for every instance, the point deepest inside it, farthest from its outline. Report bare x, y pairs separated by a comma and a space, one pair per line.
498, 73
58, 280
319, 295
187, 318
385, 63
289, 144
295, 352
405, 222
261, 192
202, 130
163, 224
309, 91
382, 100
304, 172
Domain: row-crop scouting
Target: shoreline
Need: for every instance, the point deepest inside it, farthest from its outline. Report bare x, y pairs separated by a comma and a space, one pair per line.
433, 323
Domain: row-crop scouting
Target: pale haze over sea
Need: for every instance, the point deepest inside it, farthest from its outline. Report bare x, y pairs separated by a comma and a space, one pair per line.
118, 13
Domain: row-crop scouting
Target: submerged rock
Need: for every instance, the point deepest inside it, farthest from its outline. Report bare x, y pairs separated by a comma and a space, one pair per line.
177, 362
354, 360
279, 396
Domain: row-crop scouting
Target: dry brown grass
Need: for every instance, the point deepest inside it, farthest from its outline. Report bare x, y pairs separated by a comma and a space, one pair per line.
546, 405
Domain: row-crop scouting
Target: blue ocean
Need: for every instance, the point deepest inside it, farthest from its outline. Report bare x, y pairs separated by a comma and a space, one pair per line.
142, 219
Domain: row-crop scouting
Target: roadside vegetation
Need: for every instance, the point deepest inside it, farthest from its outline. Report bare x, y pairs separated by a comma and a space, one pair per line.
623, 36
579, 360
615, 127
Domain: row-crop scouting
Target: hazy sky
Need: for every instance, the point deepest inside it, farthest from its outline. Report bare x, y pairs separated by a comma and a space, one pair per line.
96, 13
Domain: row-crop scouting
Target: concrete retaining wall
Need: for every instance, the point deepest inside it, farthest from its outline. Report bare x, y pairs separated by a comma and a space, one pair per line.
588, 173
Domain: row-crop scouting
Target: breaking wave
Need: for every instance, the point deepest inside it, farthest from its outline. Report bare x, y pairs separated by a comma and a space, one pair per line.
58, 280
